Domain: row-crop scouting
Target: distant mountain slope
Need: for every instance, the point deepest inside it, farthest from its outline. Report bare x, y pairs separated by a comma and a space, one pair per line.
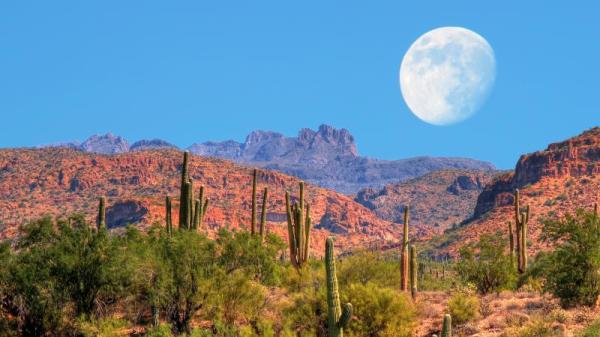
56, 181
558, 180
327, 157
438, 199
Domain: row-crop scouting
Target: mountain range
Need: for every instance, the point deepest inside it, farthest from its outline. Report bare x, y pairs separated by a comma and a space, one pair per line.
327, 157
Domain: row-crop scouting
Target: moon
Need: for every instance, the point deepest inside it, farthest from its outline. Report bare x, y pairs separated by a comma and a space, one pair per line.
447, 74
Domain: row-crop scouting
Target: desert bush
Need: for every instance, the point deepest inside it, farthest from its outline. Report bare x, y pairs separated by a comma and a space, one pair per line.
486, 265
365, 267
379, 311
463, 307
571, 271
246, 252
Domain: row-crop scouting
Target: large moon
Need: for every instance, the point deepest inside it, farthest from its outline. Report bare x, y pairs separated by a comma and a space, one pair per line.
447, 74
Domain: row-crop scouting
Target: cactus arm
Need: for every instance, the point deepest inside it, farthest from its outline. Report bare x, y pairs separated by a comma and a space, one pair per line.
299, 234
346, 316
291, 235
307, 227
197, 214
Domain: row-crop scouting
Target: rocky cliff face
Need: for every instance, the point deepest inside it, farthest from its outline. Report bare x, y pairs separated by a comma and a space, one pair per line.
439, 199
57, 181
553, 182
329, 158
575, 157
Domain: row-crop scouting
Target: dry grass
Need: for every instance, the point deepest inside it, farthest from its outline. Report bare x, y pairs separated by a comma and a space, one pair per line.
504, 315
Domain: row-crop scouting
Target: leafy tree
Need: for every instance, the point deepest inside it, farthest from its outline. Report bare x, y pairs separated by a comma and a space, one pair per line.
572, 270
486, 265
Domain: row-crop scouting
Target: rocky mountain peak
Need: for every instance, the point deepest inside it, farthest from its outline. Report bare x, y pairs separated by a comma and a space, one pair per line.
105, 144
151, 144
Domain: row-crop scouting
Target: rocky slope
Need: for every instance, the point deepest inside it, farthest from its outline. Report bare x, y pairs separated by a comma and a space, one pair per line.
327, 157
558, 180
57, 181
440, 199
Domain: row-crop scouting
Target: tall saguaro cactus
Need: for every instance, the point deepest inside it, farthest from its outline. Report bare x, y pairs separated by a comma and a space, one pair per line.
185, 199
101, 218
263, 214
253, 220
521, 221
337, 319
404, 254
447, 326
169, 215
191, 211
299, 226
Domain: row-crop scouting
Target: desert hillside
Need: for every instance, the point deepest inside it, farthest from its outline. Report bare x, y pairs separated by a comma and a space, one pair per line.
55, 181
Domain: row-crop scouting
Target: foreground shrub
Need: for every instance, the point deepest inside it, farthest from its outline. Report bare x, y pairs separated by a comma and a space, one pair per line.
463, 307
486, 265
572, 270
379, 312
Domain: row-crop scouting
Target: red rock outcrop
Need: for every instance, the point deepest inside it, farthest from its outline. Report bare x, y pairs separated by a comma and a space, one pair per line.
558, 180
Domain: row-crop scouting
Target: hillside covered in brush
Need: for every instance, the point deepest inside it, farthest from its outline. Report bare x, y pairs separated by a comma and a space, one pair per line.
440, 199
57, 181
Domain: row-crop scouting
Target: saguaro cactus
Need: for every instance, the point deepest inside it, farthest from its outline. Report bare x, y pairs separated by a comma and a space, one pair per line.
337, 319
299, 225
253, 220
263, 214
521, 220
404, 254
185, 195
413, 271
447, 326
200, 207
168, 215
101, 218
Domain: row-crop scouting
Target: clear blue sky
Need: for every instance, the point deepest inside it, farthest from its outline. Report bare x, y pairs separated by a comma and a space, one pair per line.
191, 71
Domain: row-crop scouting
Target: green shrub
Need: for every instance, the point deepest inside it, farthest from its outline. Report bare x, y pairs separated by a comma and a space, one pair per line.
571, 270
486, 265
463, 307
379, 311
